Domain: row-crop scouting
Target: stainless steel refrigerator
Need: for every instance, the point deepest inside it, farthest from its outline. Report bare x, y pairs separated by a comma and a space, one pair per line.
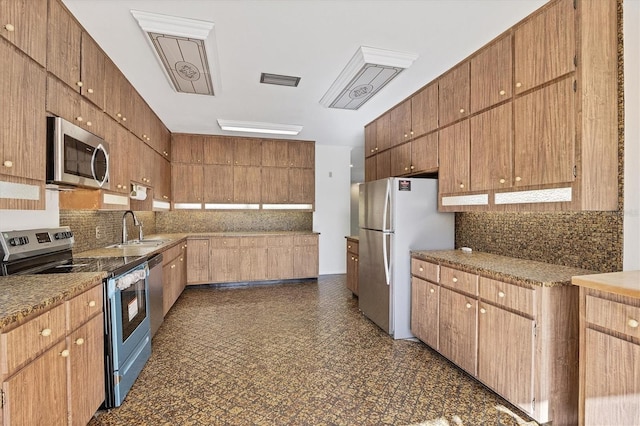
396, 215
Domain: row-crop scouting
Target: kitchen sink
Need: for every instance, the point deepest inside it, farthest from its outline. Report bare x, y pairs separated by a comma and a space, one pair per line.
139, 243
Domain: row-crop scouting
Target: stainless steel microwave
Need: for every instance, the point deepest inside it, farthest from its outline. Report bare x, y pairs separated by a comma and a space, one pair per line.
75, 157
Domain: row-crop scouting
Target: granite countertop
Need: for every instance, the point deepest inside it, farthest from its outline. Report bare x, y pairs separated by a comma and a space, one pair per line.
23, 296
626, 283
504, 268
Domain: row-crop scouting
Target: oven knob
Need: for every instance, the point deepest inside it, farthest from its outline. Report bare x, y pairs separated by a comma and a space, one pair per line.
24, 240
14, 242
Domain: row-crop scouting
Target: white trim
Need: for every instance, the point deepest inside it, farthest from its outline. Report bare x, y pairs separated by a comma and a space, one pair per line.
466, 200
554, 195
214, 206
259, 127
161, 205
120, 200
185, 206
19, 191
287, 206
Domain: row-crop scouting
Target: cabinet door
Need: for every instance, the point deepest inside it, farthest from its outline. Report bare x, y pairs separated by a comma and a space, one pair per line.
491, 149
119, 156
370, 141
217, 150
400, 117
424, 154
161, 178
401, 160
352, 272
612, 382
370, 168
305, 257
187, 148
247, 152
453, 102
218, 183
253, 259
27, 20
275, 153
22, 98
302, 187
246, 184
545, 132
63, 45
454, 157
113, 80
92, 71
302, 154
279, 258
491, 75
425, 298
383, 132
506, 350
86, 370
545, 46
186, 183
383, 165
458, 329
225, 257
43, 383
424, 110
275, 185
198, 260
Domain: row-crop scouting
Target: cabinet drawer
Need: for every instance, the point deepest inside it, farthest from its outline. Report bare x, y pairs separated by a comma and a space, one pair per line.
462, 281
426, 270
252, 242
613, 315
280, 241
172, 253
305, 240
224, 242
352, 246
83, 307
32, 338
508, 295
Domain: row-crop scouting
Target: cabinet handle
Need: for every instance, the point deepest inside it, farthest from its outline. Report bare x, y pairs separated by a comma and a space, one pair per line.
165, 197
633, 323
46, 332
124, 118
79, 84
119, 115
411, 133
455, 280
8, 163
92, 304
173, 266
461, 110
406, 135
468, 305
431, 290
181, 259
79, 118
462, 185
9, 28
518, 178
349, 246
502, 181
79, 341
518, 84
412, 167
376, 148
353, 258
502, 92
90, 90
421, 269
501, 294
356, 259
89, 123
483, 311
406, 168
64, 353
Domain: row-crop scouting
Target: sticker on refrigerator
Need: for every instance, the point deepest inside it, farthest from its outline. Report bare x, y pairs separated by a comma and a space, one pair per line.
404, 185
133, 308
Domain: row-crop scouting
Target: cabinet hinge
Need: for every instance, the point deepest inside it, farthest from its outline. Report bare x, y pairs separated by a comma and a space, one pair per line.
575, 85
575, 171
1, 399
535, 330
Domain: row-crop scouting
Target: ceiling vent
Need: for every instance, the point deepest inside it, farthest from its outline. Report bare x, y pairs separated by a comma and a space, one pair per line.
367, 72
279, 80
186, 48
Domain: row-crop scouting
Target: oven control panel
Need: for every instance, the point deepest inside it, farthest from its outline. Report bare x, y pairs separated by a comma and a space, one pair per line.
32, 242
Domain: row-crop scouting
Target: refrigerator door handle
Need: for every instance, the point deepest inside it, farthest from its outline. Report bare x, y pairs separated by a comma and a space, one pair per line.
385, 255
387, 201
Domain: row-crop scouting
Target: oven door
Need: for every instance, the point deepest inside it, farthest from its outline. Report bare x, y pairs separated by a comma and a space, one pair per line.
128, 325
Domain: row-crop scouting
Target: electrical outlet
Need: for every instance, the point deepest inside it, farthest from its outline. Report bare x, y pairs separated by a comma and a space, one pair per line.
98, 232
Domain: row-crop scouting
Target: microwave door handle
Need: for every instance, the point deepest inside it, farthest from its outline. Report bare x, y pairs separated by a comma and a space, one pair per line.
93, 164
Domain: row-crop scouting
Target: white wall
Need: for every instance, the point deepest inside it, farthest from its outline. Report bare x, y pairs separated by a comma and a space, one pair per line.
15, 220
631, 250
332, 218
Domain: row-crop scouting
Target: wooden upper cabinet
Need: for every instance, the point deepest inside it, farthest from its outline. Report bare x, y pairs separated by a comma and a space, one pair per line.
63, 45
545, 46
491, 149
370, 139
302, 188
302, 154
119, 156
545, 134
383, 132
275, 153
370, 168
92, 71
218, 183
186, 148
161, 178
401, 160
64, 102
275, 185
217, 150
424, 154
186, 183
400, 117
22, 100
454, 154
383, 165
113, 79
453, 102
24, 23
247, 182
492, 74
424, 110
247, 152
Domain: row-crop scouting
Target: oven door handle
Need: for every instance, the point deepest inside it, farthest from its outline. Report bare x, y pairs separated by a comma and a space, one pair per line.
127, 280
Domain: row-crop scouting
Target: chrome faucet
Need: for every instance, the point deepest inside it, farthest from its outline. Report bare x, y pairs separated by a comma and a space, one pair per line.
124, 225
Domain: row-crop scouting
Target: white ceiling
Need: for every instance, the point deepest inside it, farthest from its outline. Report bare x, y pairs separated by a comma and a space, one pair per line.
312, 39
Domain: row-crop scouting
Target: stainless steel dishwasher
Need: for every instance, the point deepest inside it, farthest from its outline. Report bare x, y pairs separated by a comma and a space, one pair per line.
155, 292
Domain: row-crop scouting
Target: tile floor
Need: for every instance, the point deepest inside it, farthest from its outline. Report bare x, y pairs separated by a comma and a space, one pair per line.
296, 354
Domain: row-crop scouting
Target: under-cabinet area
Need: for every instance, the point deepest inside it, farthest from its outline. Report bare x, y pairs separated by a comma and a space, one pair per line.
510, 323
609, 348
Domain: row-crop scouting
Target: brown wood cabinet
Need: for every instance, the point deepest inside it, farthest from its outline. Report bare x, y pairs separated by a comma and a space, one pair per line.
492, 74
453, 102
22, 139
174, 274
24, 23
352, 265
370, 141
424, 110
279, 257
66, 103
400, 159
400, 118
63, 45
252, 259
225, 256
92, 67
305, 256
198, 270
454, 156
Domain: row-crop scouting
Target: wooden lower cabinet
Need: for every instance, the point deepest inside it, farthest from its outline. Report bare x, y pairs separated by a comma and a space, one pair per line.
279, 257
174, 275
305, 256
457, 329
198, 261
352, 265
53, 364
425, 301
225, 259
253, 259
